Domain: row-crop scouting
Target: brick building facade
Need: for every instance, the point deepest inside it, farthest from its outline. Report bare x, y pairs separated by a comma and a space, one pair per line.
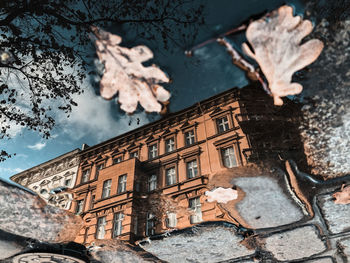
153, 179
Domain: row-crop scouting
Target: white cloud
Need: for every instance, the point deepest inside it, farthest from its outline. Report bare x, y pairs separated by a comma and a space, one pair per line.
93, 116
38, 146
10, 170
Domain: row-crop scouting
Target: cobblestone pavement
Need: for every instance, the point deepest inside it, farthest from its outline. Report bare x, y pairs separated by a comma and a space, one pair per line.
286, 216
293, 218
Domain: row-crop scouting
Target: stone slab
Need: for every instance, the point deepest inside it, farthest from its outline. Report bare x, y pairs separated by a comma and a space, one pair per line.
8, 249
336, 215
345, 245
207, 244
295, 244
320, 260
25, 214
265, 204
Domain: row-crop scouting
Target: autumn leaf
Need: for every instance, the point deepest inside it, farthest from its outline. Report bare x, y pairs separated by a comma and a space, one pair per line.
343, 196
124, 74
275, 42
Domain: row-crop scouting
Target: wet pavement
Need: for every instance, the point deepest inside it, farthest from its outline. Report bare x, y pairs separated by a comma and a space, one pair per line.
274, 225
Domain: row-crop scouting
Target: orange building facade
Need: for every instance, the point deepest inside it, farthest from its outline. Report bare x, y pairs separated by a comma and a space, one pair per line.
153, 179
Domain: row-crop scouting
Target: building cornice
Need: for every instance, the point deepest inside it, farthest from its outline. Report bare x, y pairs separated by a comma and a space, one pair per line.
49, 164
169, 120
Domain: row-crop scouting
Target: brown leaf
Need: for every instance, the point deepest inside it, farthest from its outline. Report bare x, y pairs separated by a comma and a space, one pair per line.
343, 196
124, 74
276, 48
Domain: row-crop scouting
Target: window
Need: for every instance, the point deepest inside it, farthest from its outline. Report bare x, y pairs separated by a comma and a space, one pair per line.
101, 223
122, 184
189, 138
80, 207
171, 220
192, 169
170, 176
150, 224
106, 188
117, 159
222, 124
118, 224
99, 167
86, 234
92, 201
152, 182
43, 191
228, 157
195, 207
170, 145
67, 182
134, 154
135, 220
86, 176
152, 151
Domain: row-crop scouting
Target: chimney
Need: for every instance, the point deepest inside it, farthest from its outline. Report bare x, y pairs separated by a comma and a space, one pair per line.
84, 146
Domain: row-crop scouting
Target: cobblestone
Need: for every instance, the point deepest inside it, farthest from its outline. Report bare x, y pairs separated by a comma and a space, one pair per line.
295, 244
264, 194
320, 260
345, 245
213, 244
336, 215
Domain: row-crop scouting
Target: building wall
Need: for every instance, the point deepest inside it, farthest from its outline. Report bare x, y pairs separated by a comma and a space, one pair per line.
56, 173
228, 110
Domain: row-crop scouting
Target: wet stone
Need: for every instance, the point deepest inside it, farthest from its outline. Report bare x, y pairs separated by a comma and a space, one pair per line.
336, 215
115, 251
298, 243
320, 260
207, 244
265, 204
345, 245
8, 249
25, 214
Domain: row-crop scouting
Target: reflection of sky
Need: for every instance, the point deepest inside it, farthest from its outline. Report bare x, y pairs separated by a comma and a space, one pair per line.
207, 73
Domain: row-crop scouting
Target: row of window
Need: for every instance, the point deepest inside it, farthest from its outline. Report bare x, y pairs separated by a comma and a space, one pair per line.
192, 170
170, 144
171, 221
106, 190
222, 125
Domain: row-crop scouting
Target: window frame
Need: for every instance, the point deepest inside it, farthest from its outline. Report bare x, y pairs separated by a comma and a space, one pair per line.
166, 174
149, 181
97, 169
150, 224
236, 161
218, 125
118, 222
196, 168
82, 181
193, 136
103, 196
79, 209
92, 201
151, 152
167, 150
99, 225
133, 153
197, 208
168, 220
122, 183
116, 158
69, 180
